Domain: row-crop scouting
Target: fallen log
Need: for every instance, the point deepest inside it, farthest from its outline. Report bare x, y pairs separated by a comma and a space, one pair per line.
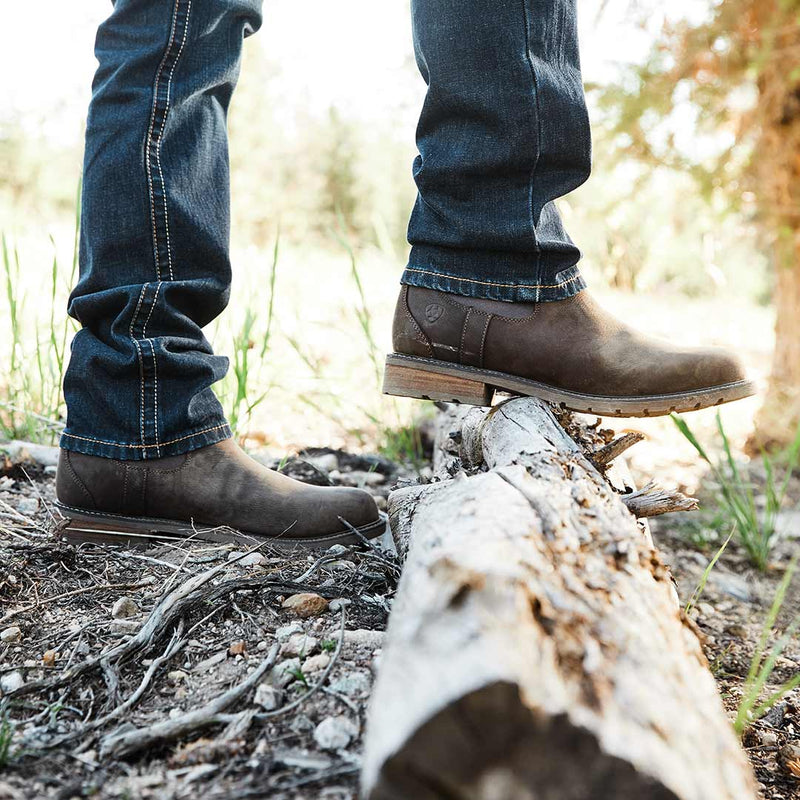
535, 648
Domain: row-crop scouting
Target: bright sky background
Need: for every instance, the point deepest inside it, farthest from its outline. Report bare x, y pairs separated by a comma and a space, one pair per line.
351, 53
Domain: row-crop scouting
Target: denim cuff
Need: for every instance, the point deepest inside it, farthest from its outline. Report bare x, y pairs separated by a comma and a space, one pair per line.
512, 277
92, 446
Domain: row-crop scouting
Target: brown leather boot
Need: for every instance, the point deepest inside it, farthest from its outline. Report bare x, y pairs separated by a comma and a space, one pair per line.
216, 493
568, 352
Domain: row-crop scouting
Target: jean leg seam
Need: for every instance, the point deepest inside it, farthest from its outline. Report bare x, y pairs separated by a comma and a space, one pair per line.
163, 127
137, 347
526, 19
153, 142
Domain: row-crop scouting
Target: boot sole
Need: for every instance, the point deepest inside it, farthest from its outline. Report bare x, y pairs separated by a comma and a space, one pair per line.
431, 379
82, 525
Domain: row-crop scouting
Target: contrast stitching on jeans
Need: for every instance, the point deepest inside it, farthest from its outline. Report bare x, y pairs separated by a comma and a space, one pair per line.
139, 446
155, 394
494, 283
148, 143
526, 19
138, 348
150, 313
158, 145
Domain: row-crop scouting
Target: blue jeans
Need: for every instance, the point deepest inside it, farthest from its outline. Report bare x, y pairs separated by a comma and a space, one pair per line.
503, 132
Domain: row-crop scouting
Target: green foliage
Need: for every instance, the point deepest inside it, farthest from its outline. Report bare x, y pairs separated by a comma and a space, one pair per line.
756, 529
762, 665
700, 588
244, 374
6, 740
32, 406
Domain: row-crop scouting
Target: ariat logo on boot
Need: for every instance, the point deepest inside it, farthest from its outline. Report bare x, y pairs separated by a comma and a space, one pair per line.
433, 312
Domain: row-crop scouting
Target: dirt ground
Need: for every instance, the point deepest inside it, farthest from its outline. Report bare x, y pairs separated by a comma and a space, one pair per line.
111, 700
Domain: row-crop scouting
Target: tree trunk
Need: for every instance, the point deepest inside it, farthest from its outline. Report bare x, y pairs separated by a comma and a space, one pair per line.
536, 649
777, 171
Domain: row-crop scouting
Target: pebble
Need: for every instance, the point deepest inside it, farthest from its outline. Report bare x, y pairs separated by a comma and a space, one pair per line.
268, 697
27, 506
768, 738
352, 684
339, 603
335, 733
316, 663
249, 560
9, 635
238, 648
737, 630
11, 681
49, 658
299, 644
706, 609
305, 604
285, 631
177, 676
364, 638
731, 584
124, 607
284, 672
327, 462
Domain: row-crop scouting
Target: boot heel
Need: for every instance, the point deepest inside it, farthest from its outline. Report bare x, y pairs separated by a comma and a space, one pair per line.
427, 385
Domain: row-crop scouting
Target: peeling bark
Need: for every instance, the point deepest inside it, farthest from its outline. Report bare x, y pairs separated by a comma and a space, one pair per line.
536, 649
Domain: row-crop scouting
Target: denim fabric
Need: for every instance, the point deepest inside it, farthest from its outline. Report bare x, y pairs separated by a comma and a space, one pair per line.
154, 266
503, 132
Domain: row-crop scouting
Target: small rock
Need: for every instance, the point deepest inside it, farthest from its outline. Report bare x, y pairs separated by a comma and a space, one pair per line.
352, 683
177, 676
9, 635
305, 604
249, 560
174, 713
285, 631
284, 672
49, 658
327, 462
262, 645
8, 792
268, 697
301, 724
207, 663
299, 644
731, 584
124, 607
11, 681
316, 663
768, 738
339, 603
336, 550
370, 640
737, 630
238, 648
706, 609
28, 506
335, 733
125, 625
